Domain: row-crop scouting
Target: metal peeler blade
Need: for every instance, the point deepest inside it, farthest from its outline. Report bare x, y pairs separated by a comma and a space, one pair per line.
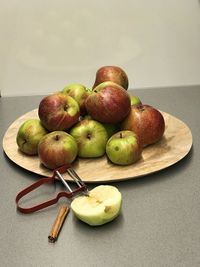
77, 180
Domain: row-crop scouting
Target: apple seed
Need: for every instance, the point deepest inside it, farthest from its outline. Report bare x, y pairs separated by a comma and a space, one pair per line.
107, 208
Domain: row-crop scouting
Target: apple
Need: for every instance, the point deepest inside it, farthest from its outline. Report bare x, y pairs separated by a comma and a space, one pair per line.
147, 122
110, 128
108, 103
58, 112
135, 100
29, 135
91, 137
57, 149
79, 92
102, 205
111, 73
124, 148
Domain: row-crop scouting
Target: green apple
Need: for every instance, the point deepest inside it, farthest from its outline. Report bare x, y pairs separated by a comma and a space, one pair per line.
135, 100
110, 128
124, 148
29, 135
79, 92
91, 137
102, 205
57, 149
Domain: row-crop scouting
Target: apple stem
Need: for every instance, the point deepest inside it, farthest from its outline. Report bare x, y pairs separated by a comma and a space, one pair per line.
141, 107
65, 107
57, 137
89, 136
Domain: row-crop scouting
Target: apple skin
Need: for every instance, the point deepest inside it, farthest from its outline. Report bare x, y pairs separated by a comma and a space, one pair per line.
110, 128
101, 206
29, 135
57, 149
147, 122
108, 103
91, 137
124, 148
58, 112
135, 100
111, 73
79, 92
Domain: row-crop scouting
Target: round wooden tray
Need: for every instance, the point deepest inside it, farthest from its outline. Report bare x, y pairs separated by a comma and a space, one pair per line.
175, 145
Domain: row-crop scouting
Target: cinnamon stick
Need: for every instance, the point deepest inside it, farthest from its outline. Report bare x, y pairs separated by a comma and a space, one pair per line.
62, 213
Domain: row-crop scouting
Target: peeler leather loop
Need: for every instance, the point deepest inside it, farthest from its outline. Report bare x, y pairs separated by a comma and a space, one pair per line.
28, 190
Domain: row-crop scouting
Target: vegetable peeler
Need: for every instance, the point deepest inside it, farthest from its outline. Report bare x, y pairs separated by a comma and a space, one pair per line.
57, 174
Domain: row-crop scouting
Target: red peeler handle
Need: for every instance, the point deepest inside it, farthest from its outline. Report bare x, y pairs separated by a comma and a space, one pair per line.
36, 185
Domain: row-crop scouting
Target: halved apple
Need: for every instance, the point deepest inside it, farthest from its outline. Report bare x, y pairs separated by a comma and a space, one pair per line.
101, 206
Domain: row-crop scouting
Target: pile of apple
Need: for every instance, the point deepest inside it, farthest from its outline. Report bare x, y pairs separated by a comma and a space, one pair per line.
90, 123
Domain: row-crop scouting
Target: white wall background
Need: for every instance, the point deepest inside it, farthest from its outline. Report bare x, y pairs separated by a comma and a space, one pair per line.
48, 44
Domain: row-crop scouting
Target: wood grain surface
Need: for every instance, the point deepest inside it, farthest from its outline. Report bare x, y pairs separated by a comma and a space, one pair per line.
174, 146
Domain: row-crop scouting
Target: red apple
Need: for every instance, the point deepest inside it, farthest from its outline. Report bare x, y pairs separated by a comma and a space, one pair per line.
79, 92
57, 149
111, 73
58, 112
108, 103
147, 122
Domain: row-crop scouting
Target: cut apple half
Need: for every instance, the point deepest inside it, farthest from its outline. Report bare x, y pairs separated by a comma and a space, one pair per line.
102, 205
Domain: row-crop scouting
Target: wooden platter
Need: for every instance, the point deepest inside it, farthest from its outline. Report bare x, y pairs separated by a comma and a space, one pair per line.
174, 146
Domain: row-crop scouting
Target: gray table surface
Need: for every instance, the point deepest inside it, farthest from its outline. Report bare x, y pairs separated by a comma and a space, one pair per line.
160, 220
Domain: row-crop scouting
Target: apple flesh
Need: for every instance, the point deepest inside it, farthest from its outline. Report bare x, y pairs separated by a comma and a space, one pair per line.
147, 122
124, 148
79, 92
101, 206
58, 112
29, 135
111, 73
108, 103
57, 149
91, 137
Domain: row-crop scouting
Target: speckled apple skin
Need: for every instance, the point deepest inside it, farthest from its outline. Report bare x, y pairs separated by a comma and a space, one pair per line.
112, 73
124, 148
57, 149
58, 112
108, 103
29, 135
91, 137
147, 122
79, 92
